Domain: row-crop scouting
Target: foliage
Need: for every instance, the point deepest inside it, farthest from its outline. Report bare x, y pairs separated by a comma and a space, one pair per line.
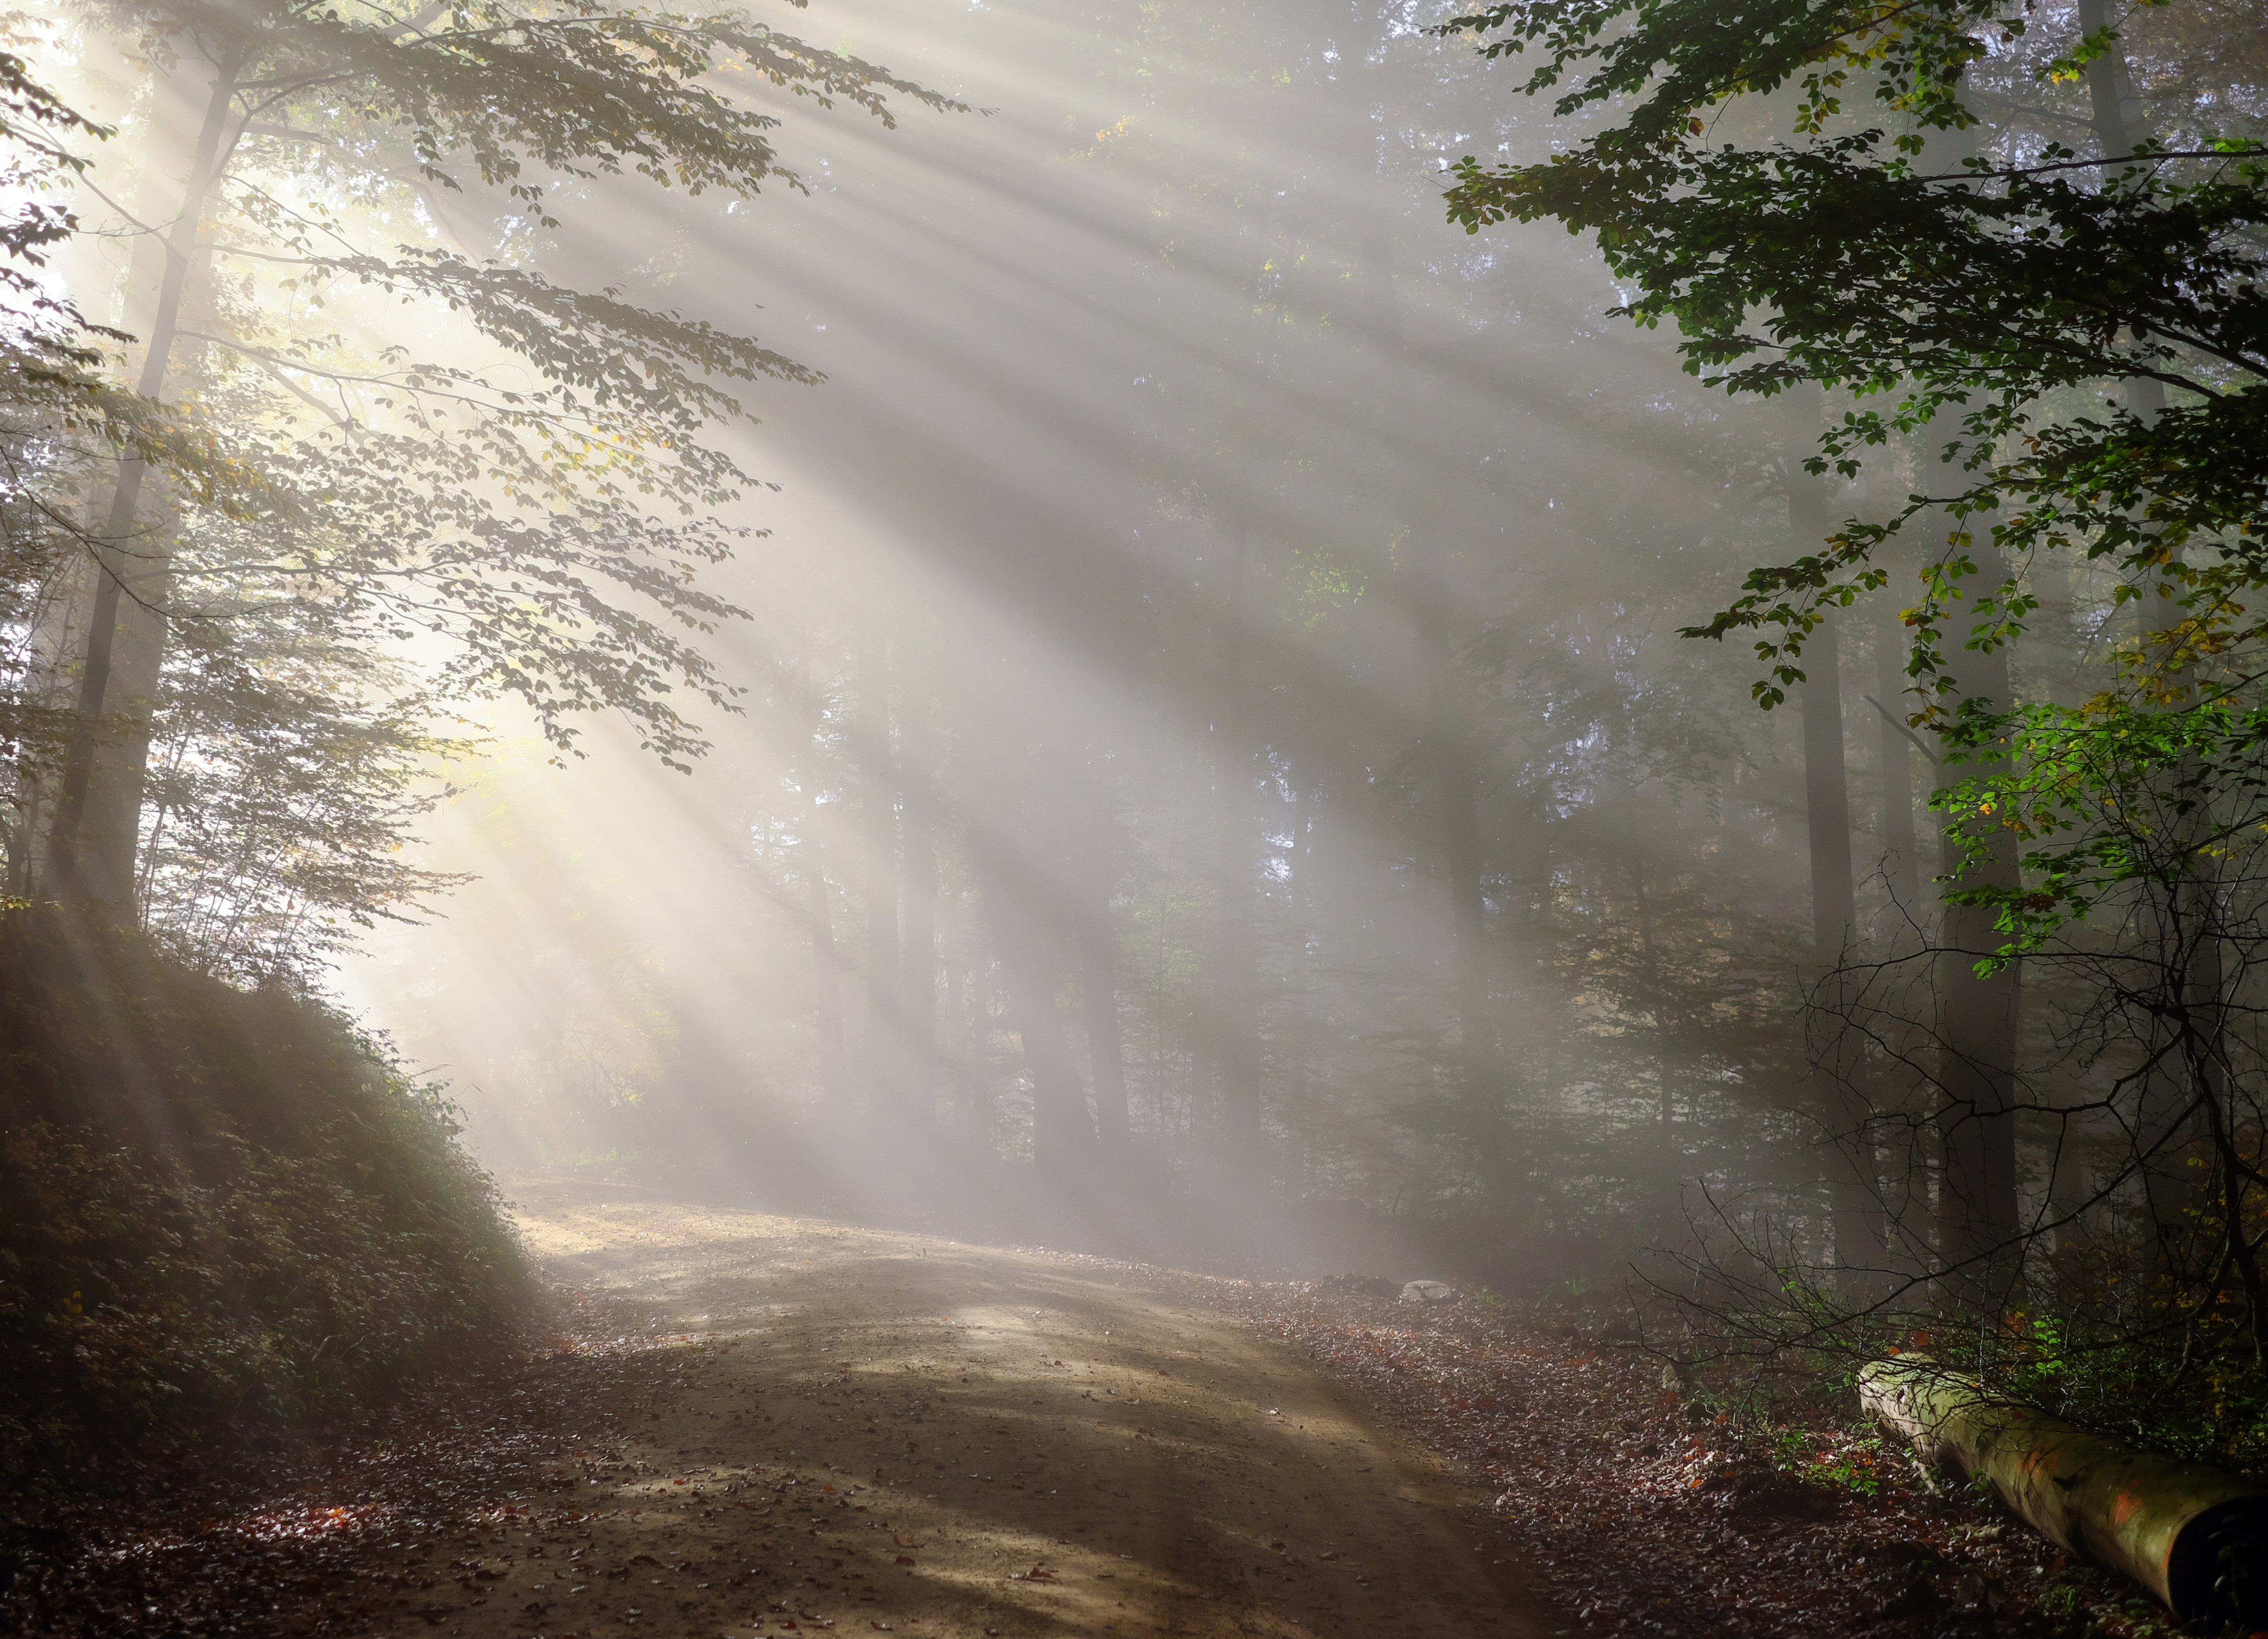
46, 337
1978, 279
391, 428
1893, 261
219, 1209
548, 516
288, 771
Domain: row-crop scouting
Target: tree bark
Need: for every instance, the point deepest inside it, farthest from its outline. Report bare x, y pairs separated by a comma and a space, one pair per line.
1839, 1093
1658, 1004
2167, 1099
973, 1008
1062, 1133
1977, 1205
826, 978
1901, 850
2179, 1528
2114, 110
91, 848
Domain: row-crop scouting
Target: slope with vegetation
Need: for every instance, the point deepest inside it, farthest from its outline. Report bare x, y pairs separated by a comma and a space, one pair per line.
222, 1214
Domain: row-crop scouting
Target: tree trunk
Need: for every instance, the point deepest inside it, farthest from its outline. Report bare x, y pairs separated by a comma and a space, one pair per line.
1658, 1004
1839, 1069
973, 1010
2194, 1536
2115, 113
1901, 851
1020, 912
1234, 1030
91, 848
826, 958
1062, 1133
1454, 798
882, 1036
917, 1004
825, 980
2111, 102
1098, 982
1976, 1202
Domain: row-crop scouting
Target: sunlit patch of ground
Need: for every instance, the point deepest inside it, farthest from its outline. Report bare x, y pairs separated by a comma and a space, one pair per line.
762, 1426
832, 1427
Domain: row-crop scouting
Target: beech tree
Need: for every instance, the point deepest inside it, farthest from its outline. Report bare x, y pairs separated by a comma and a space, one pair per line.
548, 517
2047, 296
57, 409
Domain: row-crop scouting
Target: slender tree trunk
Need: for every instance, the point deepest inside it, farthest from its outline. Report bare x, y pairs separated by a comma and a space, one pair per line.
1901, 850
91, 848
826, 959
1658, 1004
918, 881
1977, 1207
1454, 799
2111, 102
2053, 668
883, 1038
825, 980
1098, 982
1840, 1093
1861, 1235
1236, 1040
973, 1007
1022, 916
1062, 1133
2167, 1097
2115, 113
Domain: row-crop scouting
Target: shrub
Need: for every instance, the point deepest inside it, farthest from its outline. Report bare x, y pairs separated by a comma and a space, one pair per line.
217, 1208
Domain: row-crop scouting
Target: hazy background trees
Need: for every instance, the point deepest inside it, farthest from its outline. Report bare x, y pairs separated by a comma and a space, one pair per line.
1215, 608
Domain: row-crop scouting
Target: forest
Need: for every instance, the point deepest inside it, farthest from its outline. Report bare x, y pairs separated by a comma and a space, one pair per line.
1607, 652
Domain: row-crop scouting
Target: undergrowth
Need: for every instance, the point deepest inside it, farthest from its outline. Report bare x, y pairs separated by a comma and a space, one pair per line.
221, 1213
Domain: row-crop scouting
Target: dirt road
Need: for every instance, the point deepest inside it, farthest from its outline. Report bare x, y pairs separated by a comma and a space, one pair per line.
846, 1429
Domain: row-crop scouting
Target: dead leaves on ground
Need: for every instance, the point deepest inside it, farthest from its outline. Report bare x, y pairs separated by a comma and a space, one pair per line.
1636, 1520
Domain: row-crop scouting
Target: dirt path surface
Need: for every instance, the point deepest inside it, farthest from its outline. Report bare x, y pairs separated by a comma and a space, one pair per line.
827, 1427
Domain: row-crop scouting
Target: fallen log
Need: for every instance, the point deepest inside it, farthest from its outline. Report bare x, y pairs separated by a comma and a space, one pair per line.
2194, 1535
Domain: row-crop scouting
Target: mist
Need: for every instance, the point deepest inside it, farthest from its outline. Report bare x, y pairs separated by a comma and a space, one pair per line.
1211, 719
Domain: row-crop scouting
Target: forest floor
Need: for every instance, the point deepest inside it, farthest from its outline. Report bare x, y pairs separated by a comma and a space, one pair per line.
750, 1425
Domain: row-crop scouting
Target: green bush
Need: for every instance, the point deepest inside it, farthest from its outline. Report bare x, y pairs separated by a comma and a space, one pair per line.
219, 1209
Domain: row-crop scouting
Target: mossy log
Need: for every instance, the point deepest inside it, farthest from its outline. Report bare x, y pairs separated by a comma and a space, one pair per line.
2194, 1535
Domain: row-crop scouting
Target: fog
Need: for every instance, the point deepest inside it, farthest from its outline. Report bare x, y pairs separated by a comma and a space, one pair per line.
1199, 756
1203, 577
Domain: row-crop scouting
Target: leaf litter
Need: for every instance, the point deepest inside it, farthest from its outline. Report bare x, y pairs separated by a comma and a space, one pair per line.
1639, 1511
